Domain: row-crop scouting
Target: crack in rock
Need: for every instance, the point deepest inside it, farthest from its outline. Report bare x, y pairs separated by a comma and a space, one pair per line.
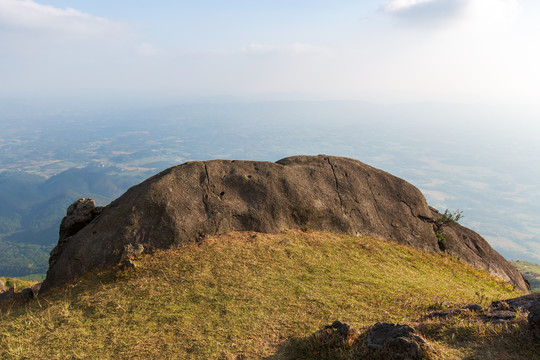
375, 202
410, 208
337, 187
206, 196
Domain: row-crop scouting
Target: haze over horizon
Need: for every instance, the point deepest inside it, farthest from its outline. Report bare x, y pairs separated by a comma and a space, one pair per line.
392, 51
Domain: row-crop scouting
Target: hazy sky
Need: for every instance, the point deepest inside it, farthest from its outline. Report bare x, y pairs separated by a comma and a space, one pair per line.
460, 51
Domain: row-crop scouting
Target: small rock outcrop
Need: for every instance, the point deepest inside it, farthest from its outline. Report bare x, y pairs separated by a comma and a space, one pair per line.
341, 328
335, 334
443, 314
392, 341
509, 311
3, 287
26, 294
78, 215
7, 295
522, 302
195, 200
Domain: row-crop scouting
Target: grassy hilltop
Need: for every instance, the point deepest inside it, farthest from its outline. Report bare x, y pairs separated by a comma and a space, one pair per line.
250, 296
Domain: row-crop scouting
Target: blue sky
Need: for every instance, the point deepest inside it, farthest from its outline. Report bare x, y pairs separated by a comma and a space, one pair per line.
387, 51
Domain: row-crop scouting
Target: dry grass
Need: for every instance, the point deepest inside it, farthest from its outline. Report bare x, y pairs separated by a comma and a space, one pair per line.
250, 295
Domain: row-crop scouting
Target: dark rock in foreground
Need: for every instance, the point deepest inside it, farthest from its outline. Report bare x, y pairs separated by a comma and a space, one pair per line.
195, 200
534, 318
508, 311
339, 327
8, 295
522, 302
391, 341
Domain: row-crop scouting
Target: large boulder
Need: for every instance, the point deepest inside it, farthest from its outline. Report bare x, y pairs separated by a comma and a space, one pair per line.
192, 201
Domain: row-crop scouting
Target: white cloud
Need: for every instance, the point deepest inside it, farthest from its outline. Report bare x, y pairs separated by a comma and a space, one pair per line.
29, 16
400, 5
492, 12
437, 195
418, 13
296, 48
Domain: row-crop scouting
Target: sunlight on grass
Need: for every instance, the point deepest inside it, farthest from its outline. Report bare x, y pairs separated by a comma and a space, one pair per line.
242, 294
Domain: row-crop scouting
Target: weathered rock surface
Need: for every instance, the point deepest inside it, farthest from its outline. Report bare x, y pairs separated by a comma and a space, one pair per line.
339, 327
443, 314
522, 302
30, 293
78, 215
499, 312
3, 287
391, 341
534, 318
26, 294
475, 250
192, 201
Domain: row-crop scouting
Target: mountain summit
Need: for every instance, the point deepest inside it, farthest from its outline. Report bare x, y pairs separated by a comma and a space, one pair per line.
195, 200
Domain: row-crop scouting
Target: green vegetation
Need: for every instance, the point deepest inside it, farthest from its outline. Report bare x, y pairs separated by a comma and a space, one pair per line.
441, 240
32, 208
35, 278
18, 283
252, 295
21, 259
449, 218
530, 271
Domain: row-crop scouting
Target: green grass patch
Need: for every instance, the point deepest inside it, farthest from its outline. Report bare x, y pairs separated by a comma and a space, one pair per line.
20, 283
243, 295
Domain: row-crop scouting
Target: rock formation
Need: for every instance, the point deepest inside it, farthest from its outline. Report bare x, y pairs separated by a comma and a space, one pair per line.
473, 249
534, 318
192, 201
499, 312
78, 215
394, 341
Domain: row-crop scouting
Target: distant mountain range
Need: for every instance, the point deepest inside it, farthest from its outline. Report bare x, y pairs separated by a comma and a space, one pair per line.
32, 206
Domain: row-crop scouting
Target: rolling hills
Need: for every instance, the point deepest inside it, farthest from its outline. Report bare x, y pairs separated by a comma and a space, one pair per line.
32, 206
530, 271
